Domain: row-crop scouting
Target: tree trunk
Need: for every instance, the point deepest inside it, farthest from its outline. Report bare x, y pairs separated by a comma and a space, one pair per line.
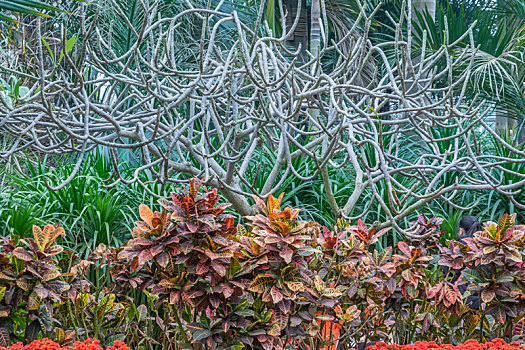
300, 35
506, 125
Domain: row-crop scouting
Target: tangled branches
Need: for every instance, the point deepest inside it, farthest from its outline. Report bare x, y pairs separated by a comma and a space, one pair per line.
383, 112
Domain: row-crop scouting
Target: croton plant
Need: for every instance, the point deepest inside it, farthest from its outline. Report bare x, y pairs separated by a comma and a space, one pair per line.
278, 282
191, 277
32, 281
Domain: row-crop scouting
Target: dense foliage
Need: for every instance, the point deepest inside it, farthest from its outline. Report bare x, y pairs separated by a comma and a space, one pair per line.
191, 275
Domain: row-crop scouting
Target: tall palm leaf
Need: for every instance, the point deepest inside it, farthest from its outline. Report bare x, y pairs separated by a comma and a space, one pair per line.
31, 7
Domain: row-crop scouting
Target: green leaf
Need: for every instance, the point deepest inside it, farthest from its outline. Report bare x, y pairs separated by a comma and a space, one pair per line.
36, 4
110, 341
245, 313
69, 47
307, 251
472, 276
504, 278
12, 6
48, 48
198, 332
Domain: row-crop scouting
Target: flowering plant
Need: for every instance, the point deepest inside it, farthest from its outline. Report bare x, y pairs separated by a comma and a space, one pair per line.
47, 344
471, 344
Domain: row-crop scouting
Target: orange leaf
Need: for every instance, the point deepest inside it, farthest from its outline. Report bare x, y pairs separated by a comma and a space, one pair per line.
146, 214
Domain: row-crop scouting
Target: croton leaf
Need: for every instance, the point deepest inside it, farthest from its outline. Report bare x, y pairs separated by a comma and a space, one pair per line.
498, 312
276, 294
295, 286
4, 337
507, 221
54, 250
198, 332
487, 295
472, 276
142, 312
105, 305
260, 284
32, 331
286, 253
44, 238
49, 275
146, 214
22, 254
163, 259
34, 301
60, 335
219, 268
144, 256
24, 284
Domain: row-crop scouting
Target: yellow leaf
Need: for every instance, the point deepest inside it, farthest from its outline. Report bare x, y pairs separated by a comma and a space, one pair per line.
61, 336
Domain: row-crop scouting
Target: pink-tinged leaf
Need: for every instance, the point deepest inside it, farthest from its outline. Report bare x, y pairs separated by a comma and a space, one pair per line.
142, 242
260, 204
266, 297
285, 305
126, 254
404, 248
286, 254
41, 292
487, 295
50, 275
167, 204
227, 291
174, 297
219, 268
276, 294
162, 259
156, 249
361, 226
30, 269
208, 220
432, 292
138, 233
4, 337
202, 268
22, 254
192, 227
144, 256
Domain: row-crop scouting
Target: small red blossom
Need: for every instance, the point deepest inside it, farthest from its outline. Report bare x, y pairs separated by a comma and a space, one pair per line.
47, 344
471, 344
